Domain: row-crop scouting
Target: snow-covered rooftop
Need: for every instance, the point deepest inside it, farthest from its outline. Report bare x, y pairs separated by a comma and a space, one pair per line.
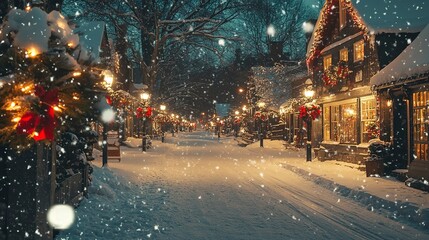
381, 16
414, 60
91, 36
393, 15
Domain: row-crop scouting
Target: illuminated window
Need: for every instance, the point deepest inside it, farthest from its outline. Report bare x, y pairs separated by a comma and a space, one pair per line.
327, 62
343, 15
344, 55
358, 51
339, 122
369, 128
358, 76
420, 125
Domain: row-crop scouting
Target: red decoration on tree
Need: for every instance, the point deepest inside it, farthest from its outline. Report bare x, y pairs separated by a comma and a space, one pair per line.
109, 100
139, 112
42, 126
309, 111
148, 112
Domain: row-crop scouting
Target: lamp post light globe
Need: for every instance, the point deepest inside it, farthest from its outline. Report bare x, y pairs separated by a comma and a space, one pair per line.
271, 31
144, 96
162, 107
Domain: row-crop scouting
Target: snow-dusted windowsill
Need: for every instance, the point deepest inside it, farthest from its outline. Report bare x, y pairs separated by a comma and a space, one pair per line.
330, 142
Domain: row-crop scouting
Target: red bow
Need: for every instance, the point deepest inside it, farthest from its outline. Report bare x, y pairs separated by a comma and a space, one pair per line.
149, 112
139, 113
41, 126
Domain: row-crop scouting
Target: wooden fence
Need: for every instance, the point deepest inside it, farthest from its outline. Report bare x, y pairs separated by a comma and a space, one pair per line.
28, 188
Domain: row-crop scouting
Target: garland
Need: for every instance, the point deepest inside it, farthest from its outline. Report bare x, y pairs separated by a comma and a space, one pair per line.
309, 111
335, 75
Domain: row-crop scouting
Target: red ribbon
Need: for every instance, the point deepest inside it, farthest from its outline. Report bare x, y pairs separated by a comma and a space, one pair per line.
44, 124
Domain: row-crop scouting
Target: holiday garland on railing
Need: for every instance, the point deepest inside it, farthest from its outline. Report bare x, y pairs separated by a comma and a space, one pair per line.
309, 111
336, 75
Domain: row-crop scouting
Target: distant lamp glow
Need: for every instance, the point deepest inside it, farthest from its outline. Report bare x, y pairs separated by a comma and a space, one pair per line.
244, 108
237, 112
144, 96
77, 74
309, 92
389, 103
162, 107
221, 42
240, 90
271, 31
32, 52
108, 77
27, 8
261, 104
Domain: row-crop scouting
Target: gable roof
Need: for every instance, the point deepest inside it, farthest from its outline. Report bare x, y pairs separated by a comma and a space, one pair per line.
91, 36
374, 17
413, 61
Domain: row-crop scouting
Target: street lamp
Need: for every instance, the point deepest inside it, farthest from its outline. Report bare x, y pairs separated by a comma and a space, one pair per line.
108, 79
309, 94
145, 97
162, 108
261, 106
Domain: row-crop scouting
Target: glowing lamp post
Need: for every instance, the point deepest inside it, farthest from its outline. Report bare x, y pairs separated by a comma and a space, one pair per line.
145, 97
309, 94
261, 106
108, 79
162, 107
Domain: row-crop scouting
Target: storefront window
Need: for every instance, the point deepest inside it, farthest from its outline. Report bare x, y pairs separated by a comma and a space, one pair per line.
339, 122
335, 123
326, 123
420, 124
369, 127
348, 123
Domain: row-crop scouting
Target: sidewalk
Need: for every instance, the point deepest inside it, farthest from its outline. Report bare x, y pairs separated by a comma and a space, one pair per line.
384, 194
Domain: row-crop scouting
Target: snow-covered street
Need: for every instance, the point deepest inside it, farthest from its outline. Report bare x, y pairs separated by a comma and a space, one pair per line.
196, 187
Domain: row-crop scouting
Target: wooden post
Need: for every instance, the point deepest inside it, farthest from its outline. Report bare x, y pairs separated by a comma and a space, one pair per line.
30, 192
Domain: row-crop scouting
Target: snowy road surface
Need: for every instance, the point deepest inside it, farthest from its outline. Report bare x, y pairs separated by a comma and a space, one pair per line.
194, 187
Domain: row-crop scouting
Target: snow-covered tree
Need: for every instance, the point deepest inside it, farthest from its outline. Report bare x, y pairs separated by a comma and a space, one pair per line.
153, 26
272, 85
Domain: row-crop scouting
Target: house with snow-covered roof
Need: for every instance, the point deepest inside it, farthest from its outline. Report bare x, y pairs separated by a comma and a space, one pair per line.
94, 44
352, 40
403, 90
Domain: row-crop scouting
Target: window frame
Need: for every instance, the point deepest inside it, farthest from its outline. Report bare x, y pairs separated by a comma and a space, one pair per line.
325, 62
359, 46
346, 51
363, 120
335, 136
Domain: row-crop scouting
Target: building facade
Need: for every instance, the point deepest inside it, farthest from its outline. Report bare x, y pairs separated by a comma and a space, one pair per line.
349, 45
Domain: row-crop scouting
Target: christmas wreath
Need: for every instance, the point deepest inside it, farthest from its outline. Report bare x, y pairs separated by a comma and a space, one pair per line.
309, 111
336, 75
